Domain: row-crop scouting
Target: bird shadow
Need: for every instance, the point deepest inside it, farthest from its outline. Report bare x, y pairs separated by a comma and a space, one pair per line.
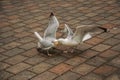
56, 52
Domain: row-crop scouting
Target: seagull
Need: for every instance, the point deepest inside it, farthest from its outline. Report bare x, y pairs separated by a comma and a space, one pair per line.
46, 42
82, 33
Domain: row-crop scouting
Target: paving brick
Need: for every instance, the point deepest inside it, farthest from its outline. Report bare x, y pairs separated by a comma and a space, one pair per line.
11, 45
13, 52
105, 35
111, 41
2, 57
26, 40
69, 76
7, 34
113, 77
115, 31
31, 52
4, 75
18, 68
89, 53
4, 29
116, 62
117, 36
75, 61
84, 46
45, 76
109, 54
60, 68
91, 76
8, 39
15, 59
1, 50
96, 61
55, 60
83, 69
21, 29
3, 65
35, 60
94, 41
25, 75
22, 34
117, 47
41, 67
101, 47
28, 46
105, 70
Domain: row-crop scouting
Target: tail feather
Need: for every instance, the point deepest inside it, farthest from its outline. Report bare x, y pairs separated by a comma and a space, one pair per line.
38, 36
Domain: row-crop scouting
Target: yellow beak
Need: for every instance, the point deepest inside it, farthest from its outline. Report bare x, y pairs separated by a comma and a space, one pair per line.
56, 43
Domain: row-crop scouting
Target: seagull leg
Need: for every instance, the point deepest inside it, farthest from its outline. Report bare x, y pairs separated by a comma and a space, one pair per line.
48, 53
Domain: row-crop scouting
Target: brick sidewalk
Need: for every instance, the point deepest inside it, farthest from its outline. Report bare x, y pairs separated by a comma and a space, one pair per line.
96, 59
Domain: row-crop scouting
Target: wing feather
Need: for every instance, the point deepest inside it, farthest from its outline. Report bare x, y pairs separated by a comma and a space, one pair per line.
50, 32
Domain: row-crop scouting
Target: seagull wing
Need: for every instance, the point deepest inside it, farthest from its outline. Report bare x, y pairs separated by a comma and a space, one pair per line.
82, 32
38, 36
68, 31
50, 32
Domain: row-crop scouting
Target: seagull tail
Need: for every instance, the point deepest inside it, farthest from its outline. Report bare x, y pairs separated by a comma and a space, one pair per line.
38, 36
86, 37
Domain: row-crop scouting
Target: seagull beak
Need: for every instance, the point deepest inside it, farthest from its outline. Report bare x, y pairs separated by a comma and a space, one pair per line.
56, 43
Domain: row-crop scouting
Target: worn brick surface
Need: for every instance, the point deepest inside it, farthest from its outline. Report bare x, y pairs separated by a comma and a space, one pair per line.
45, 76
101, 47
68, 76
15, 59
83, 69
91, 76
61, 68
18, 68
13, 52
40, 67
75, 61
116, 62
25, 75
105, 70
96, 59
5, 75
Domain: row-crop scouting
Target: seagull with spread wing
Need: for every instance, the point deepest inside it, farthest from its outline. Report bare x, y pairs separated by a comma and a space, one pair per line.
81, 34
46, 42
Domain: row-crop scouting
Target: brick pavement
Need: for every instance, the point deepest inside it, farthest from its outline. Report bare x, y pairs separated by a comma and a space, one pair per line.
96, 59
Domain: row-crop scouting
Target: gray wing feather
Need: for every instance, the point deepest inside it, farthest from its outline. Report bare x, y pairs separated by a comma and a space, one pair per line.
81, 31
69, 31
50, 32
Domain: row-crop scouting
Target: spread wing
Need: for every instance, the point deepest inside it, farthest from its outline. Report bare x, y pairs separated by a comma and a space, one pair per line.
50, 32
68, 31
82, 32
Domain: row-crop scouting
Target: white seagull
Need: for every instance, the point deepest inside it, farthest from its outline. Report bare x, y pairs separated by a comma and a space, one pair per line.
81, 34
46, 42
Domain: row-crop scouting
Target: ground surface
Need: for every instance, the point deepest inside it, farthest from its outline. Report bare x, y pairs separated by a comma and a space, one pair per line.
96, 59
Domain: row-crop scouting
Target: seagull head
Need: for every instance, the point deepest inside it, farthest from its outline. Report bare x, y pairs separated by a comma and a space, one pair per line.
55, 42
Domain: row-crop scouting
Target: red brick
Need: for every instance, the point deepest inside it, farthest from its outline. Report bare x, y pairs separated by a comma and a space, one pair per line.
105, 70
18, 68
83, 69
75, 61
89, 53
109, 54
101, 47
94, 41
39, 68
61, 68
31, 52
45, 76
15, 59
